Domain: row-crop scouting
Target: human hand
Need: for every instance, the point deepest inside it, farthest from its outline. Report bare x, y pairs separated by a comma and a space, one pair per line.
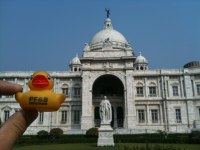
16, 125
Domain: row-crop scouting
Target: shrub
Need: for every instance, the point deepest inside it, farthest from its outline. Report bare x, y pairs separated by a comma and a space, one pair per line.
92, 132
42, 134
56, 132
194, 137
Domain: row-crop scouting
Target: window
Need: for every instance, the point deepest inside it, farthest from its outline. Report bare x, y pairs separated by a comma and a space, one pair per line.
77, 91
141, 116
76, 117
198, 89
154, 115
6, 115
65, 89
178, 115
41, 118
152, 91
140, 92
9, 96
63, 116
175, 90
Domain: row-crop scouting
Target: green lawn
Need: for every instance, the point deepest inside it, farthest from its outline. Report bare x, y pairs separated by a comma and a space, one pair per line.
92, 146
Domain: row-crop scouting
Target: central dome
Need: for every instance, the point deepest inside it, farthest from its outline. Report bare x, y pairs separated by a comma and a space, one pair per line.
108, 36
112, 35
108, 33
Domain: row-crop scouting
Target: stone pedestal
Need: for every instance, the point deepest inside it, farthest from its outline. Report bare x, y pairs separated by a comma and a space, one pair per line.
105, 136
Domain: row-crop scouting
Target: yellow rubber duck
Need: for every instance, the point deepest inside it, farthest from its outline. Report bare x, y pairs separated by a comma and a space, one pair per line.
41, 96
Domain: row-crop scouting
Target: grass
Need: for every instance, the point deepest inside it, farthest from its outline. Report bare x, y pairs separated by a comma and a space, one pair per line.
92, 146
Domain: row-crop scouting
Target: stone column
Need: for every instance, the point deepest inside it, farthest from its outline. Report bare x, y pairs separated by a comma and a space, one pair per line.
188, 86
160, 117
188, 96
129, 102
69, 121
148, 120
86, 119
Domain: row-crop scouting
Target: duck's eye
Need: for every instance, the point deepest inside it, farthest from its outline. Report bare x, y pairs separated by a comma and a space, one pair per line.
48, 77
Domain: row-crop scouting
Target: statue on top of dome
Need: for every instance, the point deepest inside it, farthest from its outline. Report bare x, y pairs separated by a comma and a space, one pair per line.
107, 12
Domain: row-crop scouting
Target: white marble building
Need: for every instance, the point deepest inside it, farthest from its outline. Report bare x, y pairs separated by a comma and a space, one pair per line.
142, 100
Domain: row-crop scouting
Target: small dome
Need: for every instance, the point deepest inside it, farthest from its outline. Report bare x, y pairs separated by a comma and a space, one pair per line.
141, 59
193, 64
76, 60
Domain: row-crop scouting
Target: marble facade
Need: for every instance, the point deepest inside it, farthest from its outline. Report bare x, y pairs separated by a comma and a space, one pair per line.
142, 100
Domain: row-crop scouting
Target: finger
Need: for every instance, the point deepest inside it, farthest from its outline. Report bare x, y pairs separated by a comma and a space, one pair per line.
7, 88
14, 127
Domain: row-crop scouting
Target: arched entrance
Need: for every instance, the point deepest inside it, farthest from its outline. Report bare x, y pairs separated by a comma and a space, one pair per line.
112, 87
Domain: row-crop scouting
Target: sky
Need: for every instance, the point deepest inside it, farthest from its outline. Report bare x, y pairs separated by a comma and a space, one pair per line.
47, 34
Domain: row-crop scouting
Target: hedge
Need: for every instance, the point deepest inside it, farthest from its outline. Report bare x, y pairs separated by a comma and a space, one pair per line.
151, 138
193, 138
35, 140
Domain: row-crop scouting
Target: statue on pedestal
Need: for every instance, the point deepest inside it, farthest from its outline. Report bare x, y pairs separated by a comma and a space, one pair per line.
105, 137
105, 111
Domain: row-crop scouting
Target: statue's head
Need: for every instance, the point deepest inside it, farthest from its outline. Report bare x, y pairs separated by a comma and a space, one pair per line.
105, 97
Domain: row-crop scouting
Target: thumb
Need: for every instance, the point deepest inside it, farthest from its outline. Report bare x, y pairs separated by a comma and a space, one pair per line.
7, 88
14, 127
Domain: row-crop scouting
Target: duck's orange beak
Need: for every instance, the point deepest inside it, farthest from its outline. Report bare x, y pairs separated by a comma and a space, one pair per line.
40, 81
